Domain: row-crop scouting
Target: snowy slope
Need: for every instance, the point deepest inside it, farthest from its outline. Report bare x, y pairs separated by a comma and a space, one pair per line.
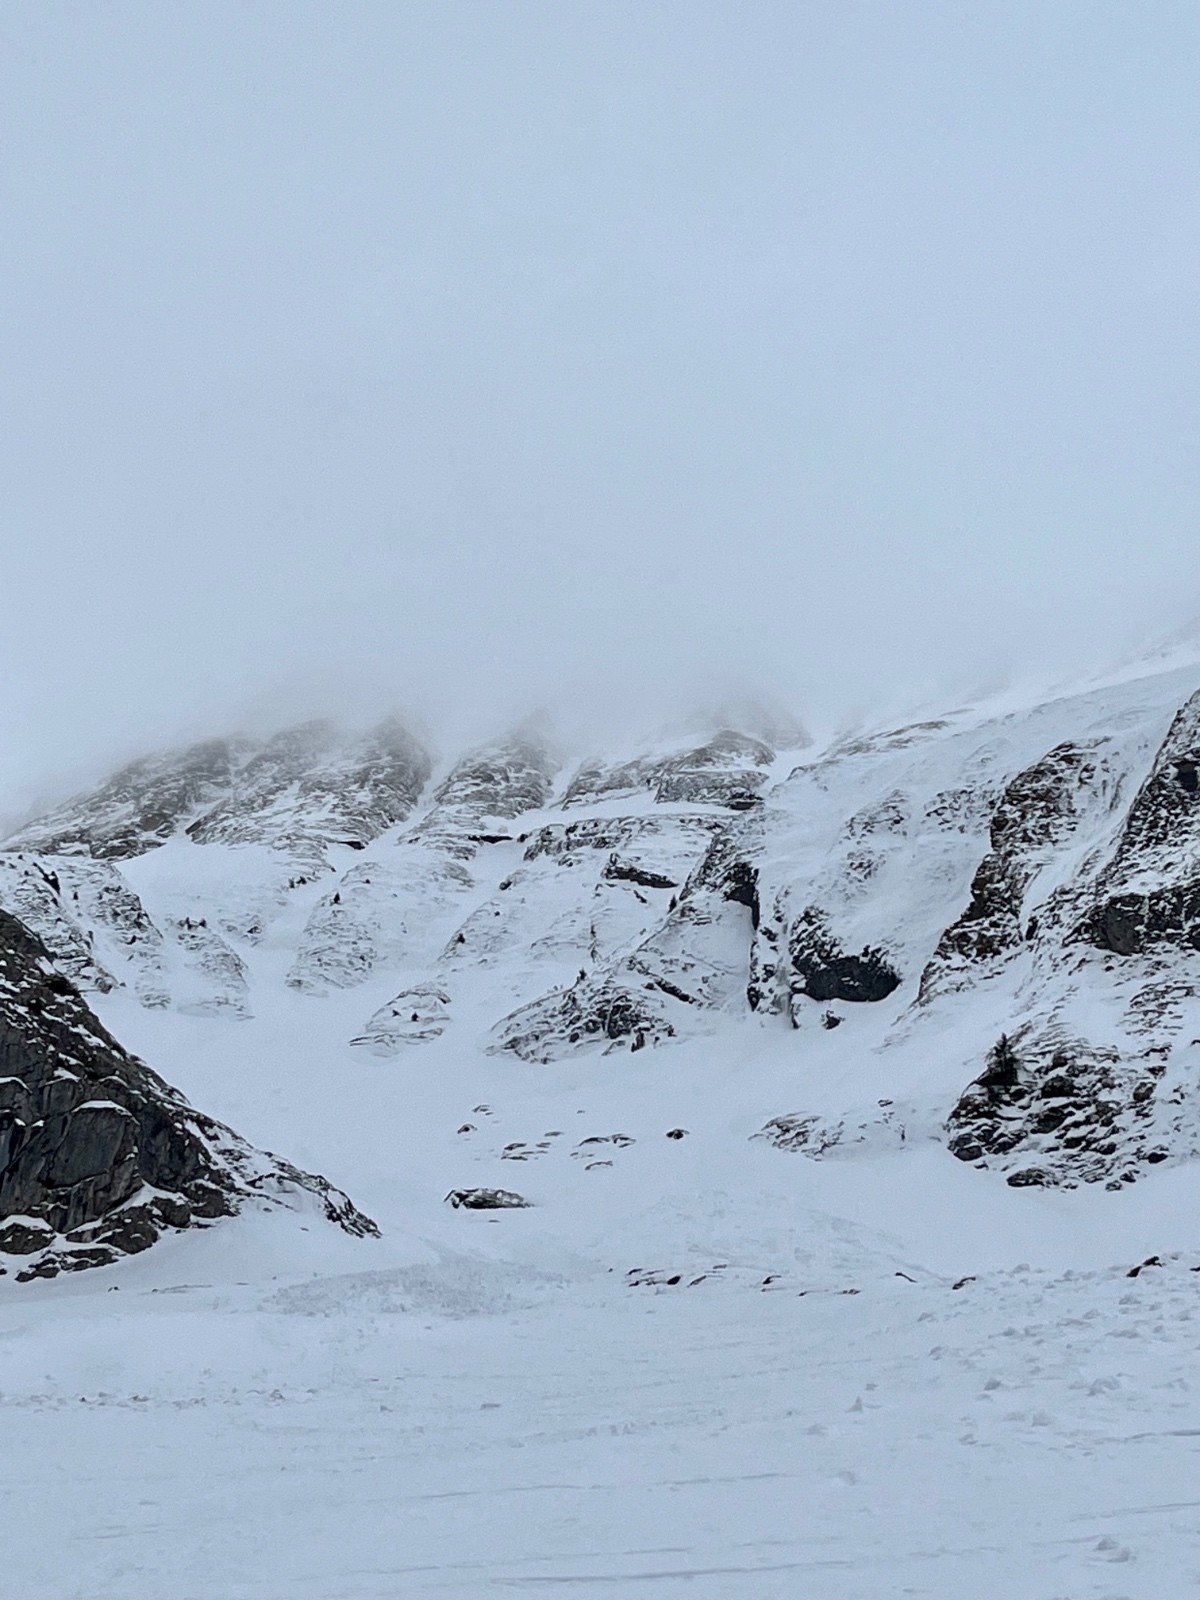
718, 1012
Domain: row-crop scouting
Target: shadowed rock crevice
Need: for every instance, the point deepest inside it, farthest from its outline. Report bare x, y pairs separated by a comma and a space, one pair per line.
825, 971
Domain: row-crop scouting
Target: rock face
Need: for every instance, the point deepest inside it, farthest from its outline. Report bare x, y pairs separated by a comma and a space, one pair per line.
1071, 1112
136, 809
308, 787
414, 1016
824, 971
689, 961
1149, 893
401, 909
504, 779
100, 935
98, 1156
295, 798
728, 770
486, 1200
301, 790
1038, 812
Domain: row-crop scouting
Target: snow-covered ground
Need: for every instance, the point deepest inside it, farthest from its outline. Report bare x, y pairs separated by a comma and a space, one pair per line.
490, 1402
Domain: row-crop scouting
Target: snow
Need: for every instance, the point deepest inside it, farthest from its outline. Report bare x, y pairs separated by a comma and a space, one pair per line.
879, 1373
469, 1423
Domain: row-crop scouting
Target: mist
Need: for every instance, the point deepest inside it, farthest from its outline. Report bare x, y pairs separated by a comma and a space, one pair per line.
594, 359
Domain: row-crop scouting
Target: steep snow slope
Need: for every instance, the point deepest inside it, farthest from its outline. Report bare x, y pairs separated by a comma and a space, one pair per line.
773, 1323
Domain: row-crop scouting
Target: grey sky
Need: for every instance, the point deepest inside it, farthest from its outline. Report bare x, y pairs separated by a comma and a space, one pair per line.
483, 353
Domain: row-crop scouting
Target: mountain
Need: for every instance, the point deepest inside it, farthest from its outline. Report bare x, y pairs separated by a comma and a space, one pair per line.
783, 1157
1029, 872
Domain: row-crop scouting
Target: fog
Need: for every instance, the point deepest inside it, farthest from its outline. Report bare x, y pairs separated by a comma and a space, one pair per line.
590, 356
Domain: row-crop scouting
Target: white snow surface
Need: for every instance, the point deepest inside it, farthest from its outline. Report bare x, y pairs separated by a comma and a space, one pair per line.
698, 1366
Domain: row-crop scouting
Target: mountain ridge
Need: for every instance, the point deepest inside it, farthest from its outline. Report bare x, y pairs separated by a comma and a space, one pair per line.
877, 910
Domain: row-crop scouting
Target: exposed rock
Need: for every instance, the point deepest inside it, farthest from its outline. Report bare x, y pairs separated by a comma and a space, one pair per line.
100, 936
618, 871
401, 911
912, 733
596, 781
310, 787
1149, 893
1059, 1111
503, 779
883, 1127
695, 959
486, 1200
591, 1011
137, 808
98, 1156
737, 790
1150, 1261
1037, 812
825, 971
213, 982
415, 1016
380, 913
887, 816
651, 852
303, 789
32, 891
727, 770
117, 925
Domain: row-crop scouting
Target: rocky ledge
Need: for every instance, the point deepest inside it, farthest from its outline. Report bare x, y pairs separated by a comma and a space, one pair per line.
98, 1156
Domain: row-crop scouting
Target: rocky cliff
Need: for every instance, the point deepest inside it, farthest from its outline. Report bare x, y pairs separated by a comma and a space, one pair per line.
98, 1156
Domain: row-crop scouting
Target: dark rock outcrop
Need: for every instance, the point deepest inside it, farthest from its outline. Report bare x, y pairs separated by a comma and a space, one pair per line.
1037, 812
98, 1156
618, 871
1053, 1111
825, 971
1148, 895
486, 1200
603, 1010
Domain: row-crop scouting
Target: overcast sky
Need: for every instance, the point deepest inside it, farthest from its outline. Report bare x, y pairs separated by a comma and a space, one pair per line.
487, 353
